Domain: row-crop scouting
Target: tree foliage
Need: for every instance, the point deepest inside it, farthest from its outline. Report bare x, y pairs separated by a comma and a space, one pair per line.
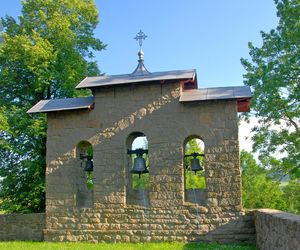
273, 73
44, 55
292, 196
259, 190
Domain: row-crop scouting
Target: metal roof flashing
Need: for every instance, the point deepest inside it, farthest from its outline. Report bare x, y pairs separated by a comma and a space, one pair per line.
218, 93
242, 94
45, 106
188, 79
100, 81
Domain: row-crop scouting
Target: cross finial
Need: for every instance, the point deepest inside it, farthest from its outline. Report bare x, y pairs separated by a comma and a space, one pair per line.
140, 37
140, 69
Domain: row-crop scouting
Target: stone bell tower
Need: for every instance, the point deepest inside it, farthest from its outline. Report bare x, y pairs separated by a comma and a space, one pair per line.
168, 110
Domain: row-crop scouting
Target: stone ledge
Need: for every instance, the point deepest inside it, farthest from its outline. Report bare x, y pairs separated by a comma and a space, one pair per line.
22, 227
279, 214
277, 230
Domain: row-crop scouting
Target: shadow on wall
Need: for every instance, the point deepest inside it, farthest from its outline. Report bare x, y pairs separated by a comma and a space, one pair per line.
139, 114
241, 230
116, 127
61, 160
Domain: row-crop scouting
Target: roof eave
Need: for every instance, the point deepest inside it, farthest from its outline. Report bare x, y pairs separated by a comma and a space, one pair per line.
57, 110
55, 105
81, 83
135, 79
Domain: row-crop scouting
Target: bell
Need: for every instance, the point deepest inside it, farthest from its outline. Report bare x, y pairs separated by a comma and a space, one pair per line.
139, 166
89, 165
195, 165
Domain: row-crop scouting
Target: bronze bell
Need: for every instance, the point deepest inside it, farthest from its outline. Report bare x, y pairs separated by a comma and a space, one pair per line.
89, 165
195, 165
139, 166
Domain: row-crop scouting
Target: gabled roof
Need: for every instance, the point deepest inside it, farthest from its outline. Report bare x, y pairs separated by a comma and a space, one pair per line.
45, 106
240, 93
98, 81
221, 93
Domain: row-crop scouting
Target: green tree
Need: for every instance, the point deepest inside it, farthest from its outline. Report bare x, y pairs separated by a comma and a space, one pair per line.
292, 196
273, 74
44, 55
1, 30
258, 189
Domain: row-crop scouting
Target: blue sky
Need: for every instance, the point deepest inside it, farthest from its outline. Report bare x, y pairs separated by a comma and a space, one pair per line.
209, 36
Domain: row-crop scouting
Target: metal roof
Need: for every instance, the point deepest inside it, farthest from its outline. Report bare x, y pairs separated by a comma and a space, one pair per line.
98, 81
220, 93
44, 106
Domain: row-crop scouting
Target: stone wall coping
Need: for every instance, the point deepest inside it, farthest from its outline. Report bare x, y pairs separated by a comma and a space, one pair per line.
280, 214
20, 214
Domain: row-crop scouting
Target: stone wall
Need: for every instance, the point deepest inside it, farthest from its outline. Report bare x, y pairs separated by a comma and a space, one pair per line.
117, 224
277, 230
166, 215
22, 227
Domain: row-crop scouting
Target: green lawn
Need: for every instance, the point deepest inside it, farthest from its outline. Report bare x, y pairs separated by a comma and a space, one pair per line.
119, 246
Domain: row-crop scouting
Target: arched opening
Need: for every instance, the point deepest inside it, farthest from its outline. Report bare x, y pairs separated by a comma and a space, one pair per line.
138, 177
138, 153
85, 170
194, 149
194, 169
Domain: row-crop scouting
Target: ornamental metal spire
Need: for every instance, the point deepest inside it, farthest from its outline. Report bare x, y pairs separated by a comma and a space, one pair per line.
140, 37
140, 69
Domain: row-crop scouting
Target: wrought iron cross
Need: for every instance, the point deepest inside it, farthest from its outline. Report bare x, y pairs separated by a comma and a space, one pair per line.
140, 37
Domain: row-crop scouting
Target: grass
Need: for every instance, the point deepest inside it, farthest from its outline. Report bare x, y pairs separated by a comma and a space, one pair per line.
15, 245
